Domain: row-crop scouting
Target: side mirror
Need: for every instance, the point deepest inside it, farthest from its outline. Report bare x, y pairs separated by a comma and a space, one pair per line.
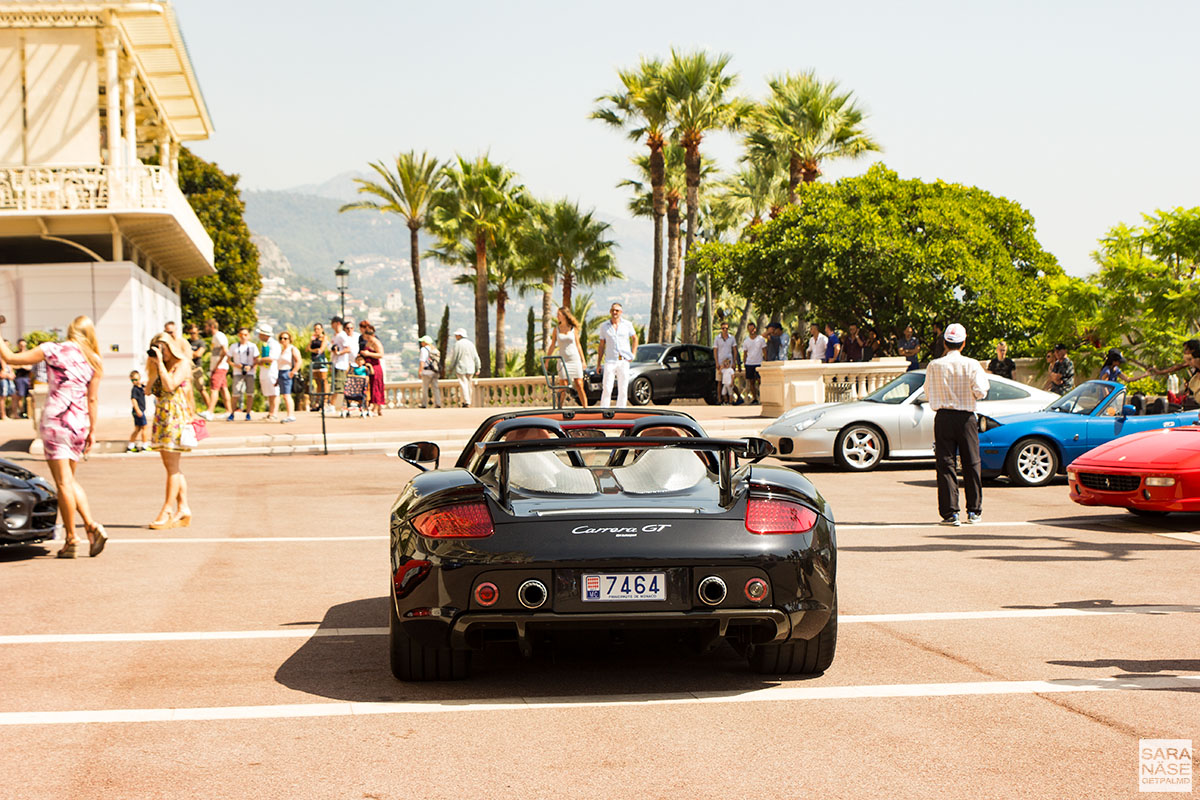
1128, 410
421, 453
920, 401
757, 449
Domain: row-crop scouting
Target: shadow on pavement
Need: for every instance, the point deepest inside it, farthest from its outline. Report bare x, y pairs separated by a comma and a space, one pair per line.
1013, 547
1123, 522
1131, 666
355, 668
23, 552
1126, 608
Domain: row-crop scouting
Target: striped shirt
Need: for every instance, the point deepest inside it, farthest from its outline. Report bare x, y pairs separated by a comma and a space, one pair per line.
955, 382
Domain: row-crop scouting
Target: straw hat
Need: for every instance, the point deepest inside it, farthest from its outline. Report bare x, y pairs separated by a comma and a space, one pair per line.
176, 345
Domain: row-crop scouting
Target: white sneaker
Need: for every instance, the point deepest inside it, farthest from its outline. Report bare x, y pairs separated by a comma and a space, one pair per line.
288, 419
206, 415
329, 409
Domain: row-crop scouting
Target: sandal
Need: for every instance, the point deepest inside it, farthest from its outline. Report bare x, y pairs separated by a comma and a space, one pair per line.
160, 524
101, 538
182, 521
68, 551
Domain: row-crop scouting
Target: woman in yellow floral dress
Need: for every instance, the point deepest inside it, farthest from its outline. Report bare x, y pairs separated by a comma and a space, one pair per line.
169, 375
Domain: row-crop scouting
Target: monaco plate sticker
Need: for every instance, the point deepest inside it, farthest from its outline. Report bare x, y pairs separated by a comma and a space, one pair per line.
625, 586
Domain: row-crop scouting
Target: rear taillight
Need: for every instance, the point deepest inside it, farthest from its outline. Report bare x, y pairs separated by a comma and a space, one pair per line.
408, 575
463, 521
769, 515
486, 594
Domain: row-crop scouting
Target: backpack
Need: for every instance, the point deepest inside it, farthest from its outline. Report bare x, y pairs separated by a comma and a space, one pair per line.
435, 361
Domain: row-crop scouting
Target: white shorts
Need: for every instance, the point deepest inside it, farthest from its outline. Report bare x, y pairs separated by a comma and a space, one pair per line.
267, 383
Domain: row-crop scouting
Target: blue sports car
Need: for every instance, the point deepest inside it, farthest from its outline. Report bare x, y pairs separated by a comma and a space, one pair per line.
1032, 448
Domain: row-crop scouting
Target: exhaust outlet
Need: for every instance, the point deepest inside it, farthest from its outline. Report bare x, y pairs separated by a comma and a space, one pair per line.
532, 594
712, 591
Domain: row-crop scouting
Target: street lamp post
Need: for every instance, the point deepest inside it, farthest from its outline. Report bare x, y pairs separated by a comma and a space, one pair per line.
343, 279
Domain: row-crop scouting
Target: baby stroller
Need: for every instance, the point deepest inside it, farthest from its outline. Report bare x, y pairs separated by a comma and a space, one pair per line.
355, 392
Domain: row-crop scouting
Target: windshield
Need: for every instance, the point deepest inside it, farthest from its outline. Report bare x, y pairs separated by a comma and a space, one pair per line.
647, 353
898, 390
1082, 399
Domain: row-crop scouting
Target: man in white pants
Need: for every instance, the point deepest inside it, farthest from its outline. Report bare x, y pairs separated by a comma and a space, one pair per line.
463, 363
618, 344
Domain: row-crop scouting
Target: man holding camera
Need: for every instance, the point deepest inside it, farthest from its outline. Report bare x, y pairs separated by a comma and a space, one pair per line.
243, 356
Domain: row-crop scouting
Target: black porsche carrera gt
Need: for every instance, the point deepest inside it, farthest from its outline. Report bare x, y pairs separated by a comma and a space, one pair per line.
608, 518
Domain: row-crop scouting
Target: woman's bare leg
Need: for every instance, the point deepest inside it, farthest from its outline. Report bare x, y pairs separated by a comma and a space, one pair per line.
170, 461
580, 392
64, 482
81, 502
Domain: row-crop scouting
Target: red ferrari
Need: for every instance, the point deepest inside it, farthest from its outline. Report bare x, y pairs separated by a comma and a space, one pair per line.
1148, 473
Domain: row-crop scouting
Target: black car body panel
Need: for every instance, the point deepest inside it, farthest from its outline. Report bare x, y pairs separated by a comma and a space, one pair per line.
681, 534
673, 371
28, 506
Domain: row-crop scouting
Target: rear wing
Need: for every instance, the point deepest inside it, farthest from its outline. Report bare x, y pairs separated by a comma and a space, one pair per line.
751, 448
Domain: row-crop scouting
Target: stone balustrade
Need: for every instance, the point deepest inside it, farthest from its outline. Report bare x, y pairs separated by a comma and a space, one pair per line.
515, 392
787, 384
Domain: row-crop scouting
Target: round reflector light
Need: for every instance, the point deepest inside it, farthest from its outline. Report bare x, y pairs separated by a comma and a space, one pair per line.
486, 594
756, 590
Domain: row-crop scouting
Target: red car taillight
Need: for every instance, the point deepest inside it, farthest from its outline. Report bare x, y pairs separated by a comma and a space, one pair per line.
463, 521
408, 575
766, 515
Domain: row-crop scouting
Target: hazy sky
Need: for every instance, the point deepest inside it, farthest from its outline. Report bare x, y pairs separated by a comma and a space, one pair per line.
1083, 112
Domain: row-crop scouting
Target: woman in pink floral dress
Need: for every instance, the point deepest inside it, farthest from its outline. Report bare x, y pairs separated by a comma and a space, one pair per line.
68, 424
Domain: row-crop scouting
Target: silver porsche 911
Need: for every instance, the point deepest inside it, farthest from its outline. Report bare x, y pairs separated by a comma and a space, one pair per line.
891, 423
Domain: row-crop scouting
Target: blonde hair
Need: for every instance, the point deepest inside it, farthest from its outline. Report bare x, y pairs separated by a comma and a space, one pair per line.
82, 332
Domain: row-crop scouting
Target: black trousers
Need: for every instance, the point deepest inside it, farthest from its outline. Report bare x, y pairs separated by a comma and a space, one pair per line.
956, 433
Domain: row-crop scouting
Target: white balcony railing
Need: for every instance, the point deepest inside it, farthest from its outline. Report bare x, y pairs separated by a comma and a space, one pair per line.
100, 188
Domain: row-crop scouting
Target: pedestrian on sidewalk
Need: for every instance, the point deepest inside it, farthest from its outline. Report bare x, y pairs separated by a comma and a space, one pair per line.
618, 346
137, 402
289, 368
218, 368
342, 354
23, 381
196, 344
954, 385
818, 343
8, 385
169, 373
724, 349
242, 357
372, 351
1002, 365
429, 365
1062, 372
318, 350
268, 369
910, 348
566, 344
463, 364
68, 425
753, 347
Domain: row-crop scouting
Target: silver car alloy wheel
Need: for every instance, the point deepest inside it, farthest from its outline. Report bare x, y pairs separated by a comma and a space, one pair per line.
1034, 462
861, 448
642, 391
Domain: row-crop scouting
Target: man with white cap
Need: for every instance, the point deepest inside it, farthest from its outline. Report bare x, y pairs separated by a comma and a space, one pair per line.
954, 385
428, 368
463, 364
268, 369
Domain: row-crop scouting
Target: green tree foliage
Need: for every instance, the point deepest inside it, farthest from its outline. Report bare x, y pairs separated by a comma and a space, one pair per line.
879, 250
443, 338
531, 366
1143, 299
229, 295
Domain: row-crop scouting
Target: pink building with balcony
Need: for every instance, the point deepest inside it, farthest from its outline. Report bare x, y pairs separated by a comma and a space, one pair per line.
88, 92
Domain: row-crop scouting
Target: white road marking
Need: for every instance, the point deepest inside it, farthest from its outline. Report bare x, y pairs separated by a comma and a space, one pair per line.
1186, 537
304, 632
773, 694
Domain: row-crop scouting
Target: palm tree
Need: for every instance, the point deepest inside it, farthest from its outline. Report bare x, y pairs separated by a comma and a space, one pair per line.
405, 191
641, 205
506, 274
478, 200
753, 192
806, 121
642, 109
698, 90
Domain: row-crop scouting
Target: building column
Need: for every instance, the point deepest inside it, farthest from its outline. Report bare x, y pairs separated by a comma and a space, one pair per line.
112, 111
175, 160
164, 147
130, 116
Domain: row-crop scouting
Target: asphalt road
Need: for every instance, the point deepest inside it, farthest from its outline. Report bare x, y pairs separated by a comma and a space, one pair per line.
244, 657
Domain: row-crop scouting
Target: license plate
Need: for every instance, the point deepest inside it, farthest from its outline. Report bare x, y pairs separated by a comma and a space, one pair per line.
625, 586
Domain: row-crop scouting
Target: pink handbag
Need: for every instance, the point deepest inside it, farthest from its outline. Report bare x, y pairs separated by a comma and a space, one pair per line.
201, 429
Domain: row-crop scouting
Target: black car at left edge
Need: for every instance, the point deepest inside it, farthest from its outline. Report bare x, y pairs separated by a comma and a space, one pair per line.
608, 519
28, 506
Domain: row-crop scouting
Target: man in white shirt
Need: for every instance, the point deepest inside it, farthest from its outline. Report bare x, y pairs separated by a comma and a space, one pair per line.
954, 385
818, 343
618, 344
342, 354
753, 348
242, 357
464, 364
268, 369
218, 362
428, 368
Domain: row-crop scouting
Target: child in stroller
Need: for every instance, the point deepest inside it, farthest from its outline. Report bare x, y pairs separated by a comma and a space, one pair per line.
355, 390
